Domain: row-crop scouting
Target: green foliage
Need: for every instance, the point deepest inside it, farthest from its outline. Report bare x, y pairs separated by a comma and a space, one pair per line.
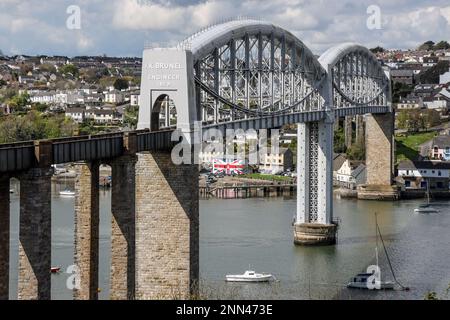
47, 67
34, 126
442, 45
431, 76
121, 84
19, 102
40, 107
356, 152
429, 45
69, 69
130, 118
416, 120
400, 90
339, 141
407, 147
2, 83
377, 49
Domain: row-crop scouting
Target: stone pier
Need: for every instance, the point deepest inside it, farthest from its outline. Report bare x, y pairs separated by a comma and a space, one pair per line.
360, 135
348, 131
35, 234
379, 158
167, 228
87, 229
4, 237
123, 229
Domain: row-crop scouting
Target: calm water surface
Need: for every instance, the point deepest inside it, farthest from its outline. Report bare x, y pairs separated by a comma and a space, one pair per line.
257, 233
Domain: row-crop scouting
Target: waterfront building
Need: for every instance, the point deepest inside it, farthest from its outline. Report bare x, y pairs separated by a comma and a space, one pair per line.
274, 163
418, 174
350, 174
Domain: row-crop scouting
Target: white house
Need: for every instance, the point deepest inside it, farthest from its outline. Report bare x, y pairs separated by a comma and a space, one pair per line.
45, 97
114, 96
77, 114
348, 174
134, 99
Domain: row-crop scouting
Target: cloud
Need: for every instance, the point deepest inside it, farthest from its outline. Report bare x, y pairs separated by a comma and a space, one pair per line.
121, 27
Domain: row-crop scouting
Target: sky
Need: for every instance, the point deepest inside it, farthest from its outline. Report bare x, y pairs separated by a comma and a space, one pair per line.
122, 27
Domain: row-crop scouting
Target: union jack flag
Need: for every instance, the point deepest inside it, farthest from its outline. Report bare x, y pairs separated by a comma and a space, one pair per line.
228, 167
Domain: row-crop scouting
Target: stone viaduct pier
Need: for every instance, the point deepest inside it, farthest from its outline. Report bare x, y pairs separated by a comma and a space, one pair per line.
242, 75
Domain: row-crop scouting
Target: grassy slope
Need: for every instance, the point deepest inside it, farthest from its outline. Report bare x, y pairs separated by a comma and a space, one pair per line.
407, 147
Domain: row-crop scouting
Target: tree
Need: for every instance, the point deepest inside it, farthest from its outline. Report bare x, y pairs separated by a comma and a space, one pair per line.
339, 141
19, 102
377, 49
400, 90
121, 84
442, 45
69, 69
431, 118
46, 67
130, 118
429, 45
33, 126
356, 152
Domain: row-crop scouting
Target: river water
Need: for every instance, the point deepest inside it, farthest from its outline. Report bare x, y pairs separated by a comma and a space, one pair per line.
256, 233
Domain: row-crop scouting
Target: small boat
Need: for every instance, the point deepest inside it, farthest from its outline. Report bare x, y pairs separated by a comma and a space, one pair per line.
426, 207
249, 276
55, 269
360, 281
67, 193
368, 280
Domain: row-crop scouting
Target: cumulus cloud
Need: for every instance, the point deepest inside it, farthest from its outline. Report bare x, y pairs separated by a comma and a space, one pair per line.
121, 27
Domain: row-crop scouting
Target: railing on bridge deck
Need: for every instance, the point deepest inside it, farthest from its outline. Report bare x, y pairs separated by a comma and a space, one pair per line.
16, 156
21, 156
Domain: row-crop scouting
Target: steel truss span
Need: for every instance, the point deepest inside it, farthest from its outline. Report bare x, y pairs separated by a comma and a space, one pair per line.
248, 69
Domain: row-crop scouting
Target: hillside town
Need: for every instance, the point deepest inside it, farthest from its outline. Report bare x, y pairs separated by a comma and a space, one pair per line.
88, 95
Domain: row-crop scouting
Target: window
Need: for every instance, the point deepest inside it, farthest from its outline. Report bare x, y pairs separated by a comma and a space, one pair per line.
439, 173
407, 184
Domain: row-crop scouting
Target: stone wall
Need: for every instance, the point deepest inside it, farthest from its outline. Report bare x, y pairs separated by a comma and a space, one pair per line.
123, 229
35, 234
167, 228
379, 155
4, 237
87, 230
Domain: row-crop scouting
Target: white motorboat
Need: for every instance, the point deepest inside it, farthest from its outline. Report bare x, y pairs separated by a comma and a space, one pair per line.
361, 281
67, 193
249, 276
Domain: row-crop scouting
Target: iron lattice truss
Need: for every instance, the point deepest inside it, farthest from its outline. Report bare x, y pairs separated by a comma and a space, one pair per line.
247, 69
255, 76
359, 80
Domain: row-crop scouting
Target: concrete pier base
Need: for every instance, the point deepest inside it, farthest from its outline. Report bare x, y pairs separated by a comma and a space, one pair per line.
311, 234
378, 192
